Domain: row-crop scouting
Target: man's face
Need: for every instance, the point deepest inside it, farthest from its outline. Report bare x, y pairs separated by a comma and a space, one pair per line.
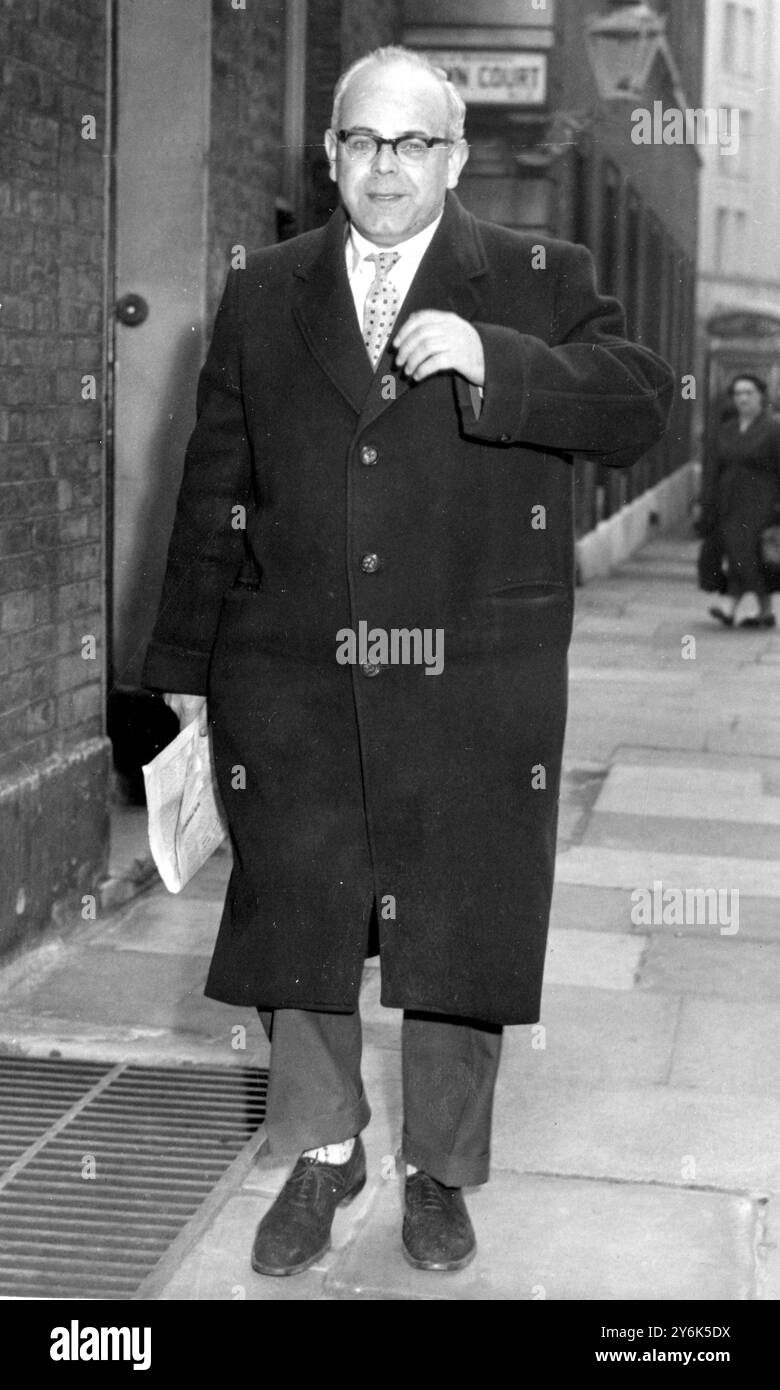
387, 200
747, 397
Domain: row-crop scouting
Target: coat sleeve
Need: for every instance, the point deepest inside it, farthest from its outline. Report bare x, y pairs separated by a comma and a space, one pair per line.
588, 391
206, 549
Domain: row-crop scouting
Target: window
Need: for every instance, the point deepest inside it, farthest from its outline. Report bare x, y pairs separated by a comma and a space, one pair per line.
610, 229
633, 235
740, 254
721, 238
744, 156
654, 284
671, 345
732, 238
748, 45
729, 38
735, 132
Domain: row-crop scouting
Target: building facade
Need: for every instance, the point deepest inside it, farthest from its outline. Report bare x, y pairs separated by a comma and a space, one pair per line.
551, 87
738, 304
739, 237
148, 147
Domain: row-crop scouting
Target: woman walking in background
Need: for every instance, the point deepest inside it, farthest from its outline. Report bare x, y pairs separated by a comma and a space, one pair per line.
747, 495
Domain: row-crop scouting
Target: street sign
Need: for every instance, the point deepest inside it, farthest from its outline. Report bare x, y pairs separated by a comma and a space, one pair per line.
743, 323
494, 78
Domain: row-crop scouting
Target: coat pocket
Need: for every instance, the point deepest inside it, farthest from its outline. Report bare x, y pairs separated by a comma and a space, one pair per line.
529, 591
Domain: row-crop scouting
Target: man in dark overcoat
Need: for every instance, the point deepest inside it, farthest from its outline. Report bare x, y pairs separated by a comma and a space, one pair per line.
392, 402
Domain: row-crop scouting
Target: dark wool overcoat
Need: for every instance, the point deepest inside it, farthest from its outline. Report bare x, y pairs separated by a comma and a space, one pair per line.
402, 506
747, 495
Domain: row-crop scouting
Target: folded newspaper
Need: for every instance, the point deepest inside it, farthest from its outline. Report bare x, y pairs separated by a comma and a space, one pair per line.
186, 819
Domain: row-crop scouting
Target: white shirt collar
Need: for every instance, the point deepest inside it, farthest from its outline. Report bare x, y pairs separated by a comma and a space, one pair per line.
412, 250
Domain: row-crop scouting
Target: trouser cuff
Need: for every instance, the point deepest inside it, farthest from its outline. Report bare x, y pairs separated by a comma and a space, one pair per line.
453, 1170
295, 1135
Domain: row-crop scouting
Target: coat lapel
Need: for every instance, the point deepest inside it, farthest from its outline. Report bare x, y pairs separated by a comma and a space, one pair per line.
448, 278
325, 312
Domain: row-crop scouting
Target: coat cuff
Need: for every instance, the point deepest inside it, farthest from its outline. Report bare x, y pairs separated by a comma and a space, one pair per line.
174, 671
504, 403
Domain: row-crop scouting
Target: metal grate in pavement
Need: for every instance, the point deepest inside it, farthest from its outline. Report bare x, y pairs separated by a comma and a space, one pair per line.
102, 1166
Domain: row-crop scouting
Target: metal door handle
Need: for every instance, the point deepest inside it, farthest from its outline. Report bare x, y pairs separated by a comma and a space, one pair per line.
132, 309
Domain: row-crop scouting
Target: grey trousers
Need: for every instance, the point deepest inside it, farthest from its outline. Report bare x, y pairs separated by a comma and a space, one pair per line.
449, 1068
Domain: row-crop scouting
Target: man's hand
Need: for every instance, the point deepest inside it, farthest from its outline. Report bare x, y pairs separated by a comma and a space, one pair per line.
188, 707
432, 341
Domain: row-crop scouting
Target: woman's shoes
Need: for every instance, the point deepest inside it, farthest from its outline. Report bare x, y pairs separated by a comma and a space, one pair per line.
751, 612
723, 617
747, 612
763, 620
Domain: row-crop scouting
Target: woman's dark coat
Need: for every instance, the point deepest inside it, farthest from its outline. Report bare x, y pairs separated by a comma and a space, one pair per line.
435, 795
747, 495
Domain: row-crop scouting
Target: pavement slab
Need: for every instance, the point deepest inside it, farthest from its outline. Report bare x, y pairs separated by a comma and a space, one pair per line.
652, 1134
604, 960
169, 925
620, 1036
597, 624
708, 837
636, 752
723, 966
760, 737
769, 1253
381, 1026
218, 1268
609, 909
668, 790
722, 1046
110, 987
579, 908
623, 684
633, 868
599, 735
554, 1238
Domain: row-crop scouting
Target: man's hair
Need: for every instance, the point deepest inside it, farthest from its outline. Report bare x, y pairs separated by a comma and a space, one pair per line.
394, 54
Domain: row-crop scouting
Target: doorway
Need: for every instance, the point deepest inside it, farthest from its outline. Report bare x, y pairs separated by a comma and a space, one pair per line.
157, 308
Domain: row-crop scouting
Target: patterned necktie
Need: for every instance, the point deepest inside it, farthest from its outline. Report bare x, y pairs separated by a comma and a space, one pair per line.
382, 304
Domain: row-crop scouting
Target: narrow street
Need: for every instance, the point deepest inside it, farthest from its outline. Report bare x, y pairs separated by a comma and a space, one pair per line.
635, 1138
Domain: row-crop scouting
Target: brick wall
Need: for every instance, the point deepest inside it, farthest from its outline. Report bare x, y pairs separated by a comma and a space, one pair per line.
247, 68
51, 482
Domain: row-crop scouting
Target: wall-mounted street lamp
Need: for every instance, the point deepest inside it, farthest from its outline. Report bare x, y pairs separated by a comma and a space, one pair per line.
622, 47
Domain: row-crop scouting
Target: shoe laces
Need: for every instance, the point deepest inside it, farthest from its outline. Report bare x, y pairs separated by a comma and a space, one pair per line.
307, 1180
431, 1194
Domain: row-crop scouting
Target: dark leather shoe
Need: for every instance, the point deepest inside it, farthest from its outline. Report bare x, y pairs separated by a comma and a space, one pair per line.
295, 1231
437, 1232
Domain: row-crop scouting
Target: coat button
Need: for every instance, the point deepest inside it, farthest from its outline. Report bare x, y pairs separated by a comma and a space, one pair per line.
368, 454
369, 563
371, 668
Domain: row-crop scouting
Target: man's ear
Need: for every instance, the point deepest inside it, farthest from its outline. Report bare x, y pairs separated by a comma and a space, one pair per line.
331, 149
455, 161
